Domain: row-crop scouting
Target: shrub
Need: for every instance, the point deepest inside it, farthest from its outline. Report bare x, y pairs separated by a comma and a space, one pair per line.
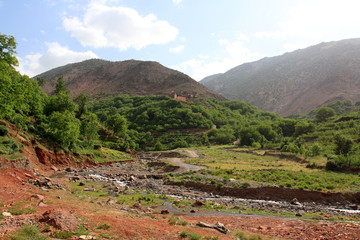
4, 131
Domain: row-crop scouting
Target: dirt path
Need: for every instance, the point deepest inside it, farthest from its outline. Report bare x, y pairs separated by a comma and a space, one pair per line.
184, 167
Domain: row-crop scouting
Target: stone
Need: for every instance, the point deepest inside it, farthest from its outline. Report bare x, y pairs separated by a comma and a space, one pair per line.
165, 211
198, 203
6, 214
38, 196
42, 204
54, 168
60, 219
110, 201
298, 214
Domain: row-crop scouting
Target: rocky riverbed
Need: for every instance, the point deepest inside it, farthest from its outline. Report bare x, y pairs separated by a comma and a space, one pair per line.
149, 174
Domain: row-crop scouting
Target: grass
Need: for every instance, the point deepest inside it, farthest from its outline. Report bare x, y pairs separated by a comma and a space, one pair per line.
104, 154
174, 220
99, 190
21, 208
28, 232
245, 167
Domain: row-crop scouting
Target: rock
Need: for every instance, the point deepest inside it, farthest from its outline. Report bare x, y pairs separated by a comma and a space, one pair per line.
6, 214
86, 237
165, 211
132, 178
89, 189
60, 219
298, 214
42, 204
54, 168
295, 202
110, 201
28, 175
81, 184
353, 207
198, 203
192, 211
38, 196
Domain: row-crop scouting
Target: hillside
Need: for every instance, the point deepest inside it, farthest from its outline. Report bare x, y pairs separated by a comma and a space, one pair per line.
295, 82
98, 77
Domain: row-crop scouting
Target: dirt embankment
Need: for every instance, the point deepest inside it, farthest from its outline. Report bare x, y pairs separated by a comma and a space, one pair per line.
272, 193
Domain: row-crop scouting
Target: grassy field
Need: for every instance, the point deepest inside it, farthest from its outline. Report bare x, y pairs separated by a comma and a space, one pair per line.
226, 164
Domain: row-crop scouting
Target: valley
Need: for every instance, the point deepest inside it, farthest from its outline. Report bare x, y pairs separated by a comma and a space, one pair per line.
134, 150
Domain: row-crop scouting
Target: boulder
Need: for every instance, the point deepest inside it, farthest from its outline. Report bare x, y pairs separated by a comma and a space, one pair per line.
60, 219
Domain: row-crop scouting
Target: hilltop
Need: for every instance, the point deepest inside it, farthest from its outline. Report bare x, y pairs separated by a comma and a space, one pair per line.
99, 77
295, 82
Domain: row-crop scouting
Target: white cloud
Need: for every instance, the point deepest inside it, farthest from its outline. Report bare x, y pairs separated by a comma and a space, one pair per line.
177, 49
120, 27
318, 21
202, 66
55, 56
177, 1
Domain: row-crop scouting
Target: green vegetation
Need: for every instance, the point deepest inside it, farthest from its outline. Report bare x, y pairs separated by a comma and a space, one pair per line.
305, 153
28, 232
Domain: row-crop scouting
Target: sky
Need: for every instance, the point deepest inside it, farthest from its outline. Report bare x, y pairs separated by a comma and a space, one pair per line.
196, 37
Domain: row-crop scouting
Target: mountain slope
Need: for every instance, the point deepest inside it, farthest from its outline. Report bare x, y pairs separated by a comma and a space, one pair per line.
295, 82
98, 78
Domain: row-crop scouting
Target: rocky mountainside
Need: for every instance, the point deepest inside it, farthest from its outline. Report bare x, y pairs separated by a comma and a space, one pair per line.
295, 82
102, 78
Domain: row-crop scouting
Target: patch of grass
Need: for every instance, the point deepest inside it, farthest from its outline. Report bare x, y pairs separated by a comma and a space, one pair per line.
28, 232
62, 235
174, 220
208, 237
19, 209
194, 236
103, 226
99, 190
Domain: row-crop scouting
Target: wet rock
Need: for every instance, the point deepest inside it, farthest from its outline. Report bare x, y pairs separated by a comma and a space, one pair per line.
295, 202
353, 207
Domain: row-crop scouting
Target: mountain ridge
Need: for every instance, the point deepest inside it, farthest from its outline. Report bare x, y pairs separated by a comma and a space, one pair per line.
294, 82
98, 77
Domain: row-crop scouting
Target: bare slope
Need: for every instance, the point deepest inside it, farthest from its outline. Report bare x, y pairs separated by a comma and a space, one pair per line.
101, 78
295, 82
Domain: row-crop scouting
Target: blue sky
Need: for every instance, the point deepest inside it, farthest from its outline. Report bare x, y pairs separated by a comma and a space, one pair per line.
197, 37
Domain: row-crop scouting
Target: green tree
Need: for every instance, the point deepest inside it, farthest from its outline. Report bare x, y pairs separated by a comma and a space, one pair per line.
323, 113
60, 87
64, 128
343, 144
7, 50
89, 127
81, 101
249, 135
117, 124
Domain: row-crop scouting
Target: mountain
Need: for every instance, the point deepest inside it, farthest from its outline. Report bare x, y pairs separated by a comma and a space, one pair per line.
102, 78
295, 82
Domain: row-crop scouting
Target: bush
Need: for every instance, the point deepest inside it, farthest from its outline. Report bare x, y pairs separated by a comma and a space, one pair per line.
4, 131
331, 165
